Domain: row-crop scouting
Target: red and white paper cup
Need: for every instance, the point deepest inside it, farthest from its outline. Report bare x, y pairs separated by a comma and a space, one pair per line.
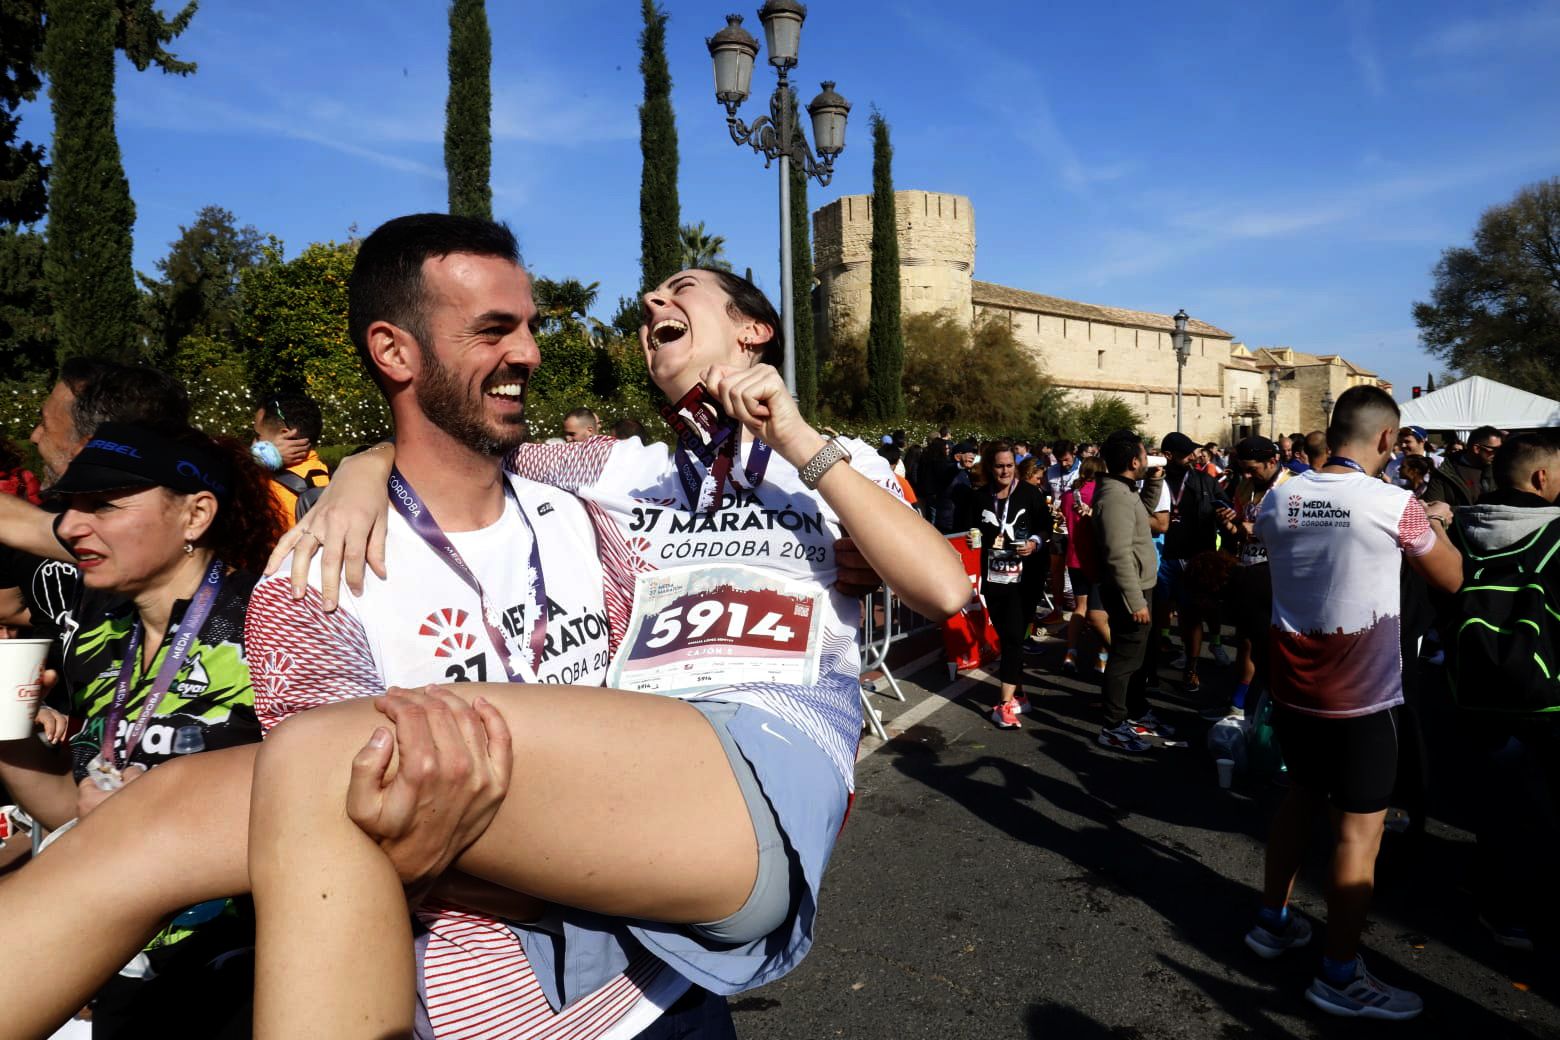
21, 685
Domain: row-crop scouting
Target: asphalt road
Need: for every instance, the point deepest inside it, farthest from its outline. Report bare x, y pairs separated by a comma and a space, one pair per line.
1030, 883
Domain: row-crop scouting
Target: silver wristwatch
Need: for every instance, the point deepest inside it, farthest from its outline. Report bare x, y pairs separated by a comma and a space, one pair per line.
831, 452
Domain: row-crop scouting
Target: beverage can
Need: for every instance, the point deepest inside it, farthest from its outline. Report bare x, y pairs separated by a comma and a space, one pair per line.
974, 538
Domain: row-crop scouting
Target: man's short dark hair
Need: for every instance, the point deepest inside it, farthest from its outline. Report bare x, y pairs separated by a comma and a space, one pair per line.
586, 414
1482, 434
1120, 450
387, 282
1256, 449
1361, 412
1518, 456
625, 428
1065, 448
127, 394
298, 412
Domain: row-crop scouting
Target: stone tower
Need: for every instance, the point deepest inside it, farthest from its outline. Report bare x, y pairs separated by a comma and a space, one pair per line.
936, 259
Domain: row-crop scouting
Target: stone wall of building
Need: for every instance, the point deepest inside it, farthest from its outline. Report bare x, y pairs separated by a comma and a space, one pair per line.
1089, 351
936, 258
1091, 359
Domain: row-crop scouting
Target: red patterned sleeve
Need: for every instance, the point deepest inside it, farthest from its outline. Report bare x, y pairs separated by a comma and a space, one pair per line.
565, 466
1414, 533
301, 657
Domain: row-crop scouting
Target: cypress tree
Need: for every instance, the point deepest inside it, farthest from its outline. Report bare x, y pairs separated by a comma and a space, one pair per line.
885, 336
1430, 383
806, 357
660, 243
468, 113
91, 216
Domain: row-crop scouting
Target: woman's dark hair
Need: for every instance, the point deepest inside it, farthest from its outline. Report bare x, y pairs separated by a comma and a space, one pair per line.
748, 301
1027, 468
1090, 469
10, 458
988, 457
247, 525
1419, 465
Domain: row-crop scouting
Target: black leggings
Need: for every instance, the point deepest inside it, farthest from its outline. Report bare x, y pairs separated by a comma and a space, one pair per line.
1005, 605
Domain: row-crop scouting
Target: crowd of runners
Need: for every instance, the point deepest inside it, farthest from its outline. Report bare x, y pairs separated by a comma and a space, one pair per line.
569, 754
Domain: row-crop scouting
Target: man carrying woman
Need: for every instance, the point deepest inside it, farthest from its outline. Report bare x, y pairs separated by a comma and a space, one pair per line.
694, 827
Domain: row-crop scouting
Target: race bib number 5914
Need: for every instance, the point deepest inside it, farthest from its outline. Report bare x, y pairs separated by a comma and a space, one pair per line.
715, 626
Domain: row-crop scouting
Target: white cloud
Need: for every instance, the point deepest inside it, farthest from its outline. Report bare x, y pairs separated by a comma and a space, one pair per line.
1537, 27
1362, 46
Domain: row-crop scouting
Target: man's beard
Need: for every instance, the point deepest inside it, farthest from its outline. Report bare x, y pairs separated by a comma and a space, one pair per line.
449, 406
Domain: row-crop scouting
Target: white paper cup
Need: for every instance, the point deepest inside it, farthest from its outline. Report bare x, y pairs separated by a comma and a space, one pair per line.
21, 683
1226, 771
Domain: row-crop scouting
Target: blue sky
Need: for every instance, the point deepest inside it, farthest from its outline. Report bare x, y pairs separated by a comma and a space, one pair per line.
1288, 171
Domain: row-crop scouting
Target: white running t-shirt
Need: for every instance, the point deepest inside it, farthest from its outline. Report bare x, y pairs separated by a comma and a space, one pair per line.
751, 581
1335, 542
424, 625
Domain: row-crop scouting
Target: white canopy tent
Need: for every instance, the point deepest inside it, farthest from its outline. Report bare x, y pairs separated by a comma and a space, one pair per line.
1475, 401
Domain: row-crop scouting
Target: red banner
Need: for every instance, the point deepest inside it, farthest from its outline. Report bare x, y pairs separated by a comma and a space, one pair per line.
969, 641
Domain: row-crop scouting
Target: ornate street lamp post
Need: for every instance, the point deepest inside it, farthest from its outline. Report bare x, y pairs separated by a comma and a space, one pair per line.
1183, 350
1272, 403
777, 135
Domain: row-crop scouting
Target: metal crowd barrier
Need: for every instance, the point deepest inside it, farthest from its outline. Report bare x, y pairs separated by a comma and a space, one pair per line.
899, 624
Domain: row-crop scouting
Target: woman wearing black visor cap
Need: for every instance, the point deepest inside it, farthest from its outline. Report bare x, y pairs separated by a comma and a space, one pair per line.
167, 529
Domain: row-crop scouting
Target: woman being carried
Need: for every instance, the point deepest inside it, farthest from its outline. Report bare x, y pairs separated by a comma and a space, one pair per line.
719, 567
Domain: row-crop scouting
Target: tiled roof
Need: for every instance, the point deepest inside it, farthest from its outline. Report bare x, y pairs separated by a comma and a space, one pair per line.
1275, 356
1002, 296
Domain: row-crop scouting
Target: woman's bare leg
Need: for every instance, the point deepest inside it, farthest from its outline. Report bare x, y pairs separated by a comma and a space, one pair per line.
617, 802
621, 803
83, 909
334, 952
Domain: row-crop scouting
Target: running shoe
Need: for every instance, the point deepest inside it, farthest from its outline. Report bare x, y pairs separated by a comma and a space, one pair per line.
1101, 662
1179, 664
1191, 684
1365, 997
1123, 739
1070, 663
1022, 702
1437, 659
1035, 644
1150, 725
1267, 944
1005, 714
1221, 655
1511, 936
1214, 712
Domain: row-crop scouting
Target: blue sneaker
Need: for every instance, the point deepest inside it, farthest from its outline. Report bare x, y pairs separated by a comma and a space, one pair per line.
1364, 997
1267, 944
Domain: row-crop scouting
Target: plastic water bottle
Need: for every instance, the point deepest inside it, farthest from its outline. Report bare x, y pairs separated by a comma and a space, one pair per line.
188, 740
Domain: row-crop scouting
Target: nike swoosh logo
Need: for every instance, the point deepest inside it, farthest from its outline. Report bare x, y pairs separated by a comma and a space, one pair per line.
772, 733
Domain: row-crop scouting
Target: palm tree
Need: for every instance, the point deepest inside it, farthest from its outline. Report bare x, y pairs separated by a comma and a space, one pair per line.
564, 304
702, 249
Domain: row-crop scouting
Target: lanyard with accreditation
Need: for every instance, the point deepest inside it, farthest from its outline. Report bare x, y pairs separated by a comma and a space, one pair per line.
416, 514
107, 768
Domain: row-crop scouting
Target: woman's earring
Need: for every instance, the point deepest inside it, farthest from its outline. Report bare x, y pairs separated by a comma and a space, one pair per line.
189, 550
